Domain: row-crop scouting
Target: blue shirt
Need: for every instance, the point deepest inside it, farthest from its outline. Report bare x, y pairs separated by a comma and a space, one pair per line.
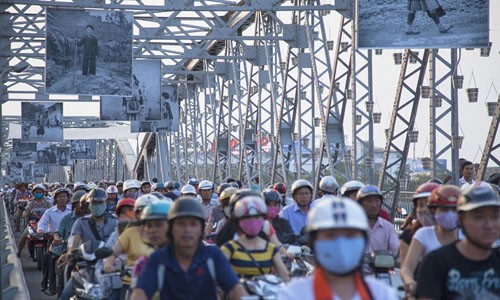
196, 284
295, 217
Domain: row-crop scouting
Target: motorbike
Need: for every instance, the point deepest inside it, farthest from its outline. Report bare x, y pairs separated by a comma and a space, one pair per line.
302, 262
382, 265
89, 282
37, 243
19, 222
262, 287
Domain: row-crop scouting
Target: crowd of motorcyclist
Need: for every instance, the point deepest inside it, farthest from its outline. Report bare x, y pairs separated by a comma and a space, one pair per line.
202, 241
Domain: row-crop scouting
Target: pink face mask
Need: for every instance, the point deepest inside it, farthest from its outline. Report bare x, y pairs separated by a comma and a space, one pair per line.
251, 227
272, 212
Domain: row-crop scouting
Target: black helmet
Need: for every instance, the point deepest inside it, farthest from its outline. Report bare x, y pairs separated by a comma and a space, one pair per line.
222, 187
62, 190
97, 195
478, 197
76, 196
271, 195
186, 206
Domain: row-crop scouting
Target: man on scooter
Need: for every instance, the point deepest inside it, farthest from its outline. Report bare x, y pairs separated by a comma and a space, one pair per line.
39, 201
98, 226
187, 269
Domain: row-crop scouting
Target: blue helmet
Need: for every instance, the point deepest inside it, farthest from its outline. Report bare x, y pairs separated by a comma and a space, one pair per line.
157, 210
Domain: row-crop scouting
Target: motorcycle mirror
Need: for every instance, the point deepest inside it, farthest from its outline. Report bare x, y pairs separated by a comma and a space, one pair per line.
104, 252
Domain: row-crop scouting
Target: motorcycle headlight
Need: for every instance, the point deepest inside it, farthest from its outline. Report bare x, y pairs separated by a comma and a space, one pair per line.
93, 290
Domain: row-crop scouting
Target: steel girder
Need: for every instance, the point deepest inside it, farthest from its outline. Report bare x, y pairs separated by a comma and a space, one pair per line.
444, 137
332, 149
402, 121
362, 133
492, 145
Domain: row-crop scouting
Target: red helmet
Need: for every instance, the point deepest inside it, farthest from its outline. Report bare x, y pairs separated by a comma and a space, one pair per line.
424, 190
124, 202
280, 187
446, 195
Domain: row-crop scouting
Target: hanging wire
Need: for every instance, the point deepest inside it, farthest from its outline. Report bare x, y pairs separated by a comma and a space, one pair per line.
479, 150
426, 145
492, 85
471, 79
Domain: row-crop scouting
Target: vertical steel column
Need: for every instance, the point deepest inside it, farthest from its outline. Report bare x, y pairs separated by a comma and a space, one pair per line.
444, 136
402, 121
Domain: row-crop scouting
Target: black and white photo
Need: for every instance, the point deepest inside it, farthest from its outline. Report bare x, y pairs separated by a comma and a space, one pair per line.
39, 170
144, 105
23, 151
63, 156
89, 52
41, 122
169, 109
46, 153
83, 149
423, 24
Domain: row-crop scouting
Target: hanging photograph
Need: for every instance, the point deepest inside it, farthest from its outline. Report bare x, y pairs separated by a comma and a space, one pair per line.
83, 149
144, 105
88, 52
422, 24
23, 151
46, 153
63, 156
41, 122
169, 109
40, 170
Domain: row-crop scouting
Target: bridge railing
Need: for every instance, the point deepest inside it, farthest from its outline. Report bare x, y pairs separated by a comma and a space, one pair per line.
12, 281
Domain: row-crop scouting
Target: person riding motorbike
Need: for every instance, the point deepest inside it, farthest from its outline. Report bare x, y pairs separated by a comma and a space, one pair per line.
337, 230
187, 257
284, 231
132, 242
97, 226
218, 214
39, 201
443, 204
249, 254
50, 222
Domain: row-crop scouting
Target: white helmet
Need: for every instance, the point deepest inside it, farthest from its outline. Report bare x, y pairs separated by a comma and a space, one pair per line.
300, 184
467, 186
349, 186
188, 189
131, 184
205, 185
144, 201
39, 187
337, 213
329, 184
92, 186
112, 189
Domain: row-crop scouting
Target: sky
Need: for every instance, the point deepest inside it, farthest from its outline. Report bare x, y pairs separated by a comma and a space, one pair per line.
473, 119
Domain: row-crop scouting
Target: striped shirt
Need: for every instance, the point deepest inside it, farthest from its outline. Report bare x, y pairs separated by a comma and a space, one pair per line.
242, 263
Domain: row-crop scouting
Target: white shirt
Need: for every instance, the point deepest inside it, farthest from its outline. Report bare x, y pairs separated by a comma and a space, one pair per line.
51, 218
428, 238
302, 289
462, 181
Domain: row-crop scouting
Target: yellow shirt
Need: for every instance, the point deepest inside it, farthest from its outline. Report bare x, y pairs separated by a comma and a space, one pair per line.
134, 244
